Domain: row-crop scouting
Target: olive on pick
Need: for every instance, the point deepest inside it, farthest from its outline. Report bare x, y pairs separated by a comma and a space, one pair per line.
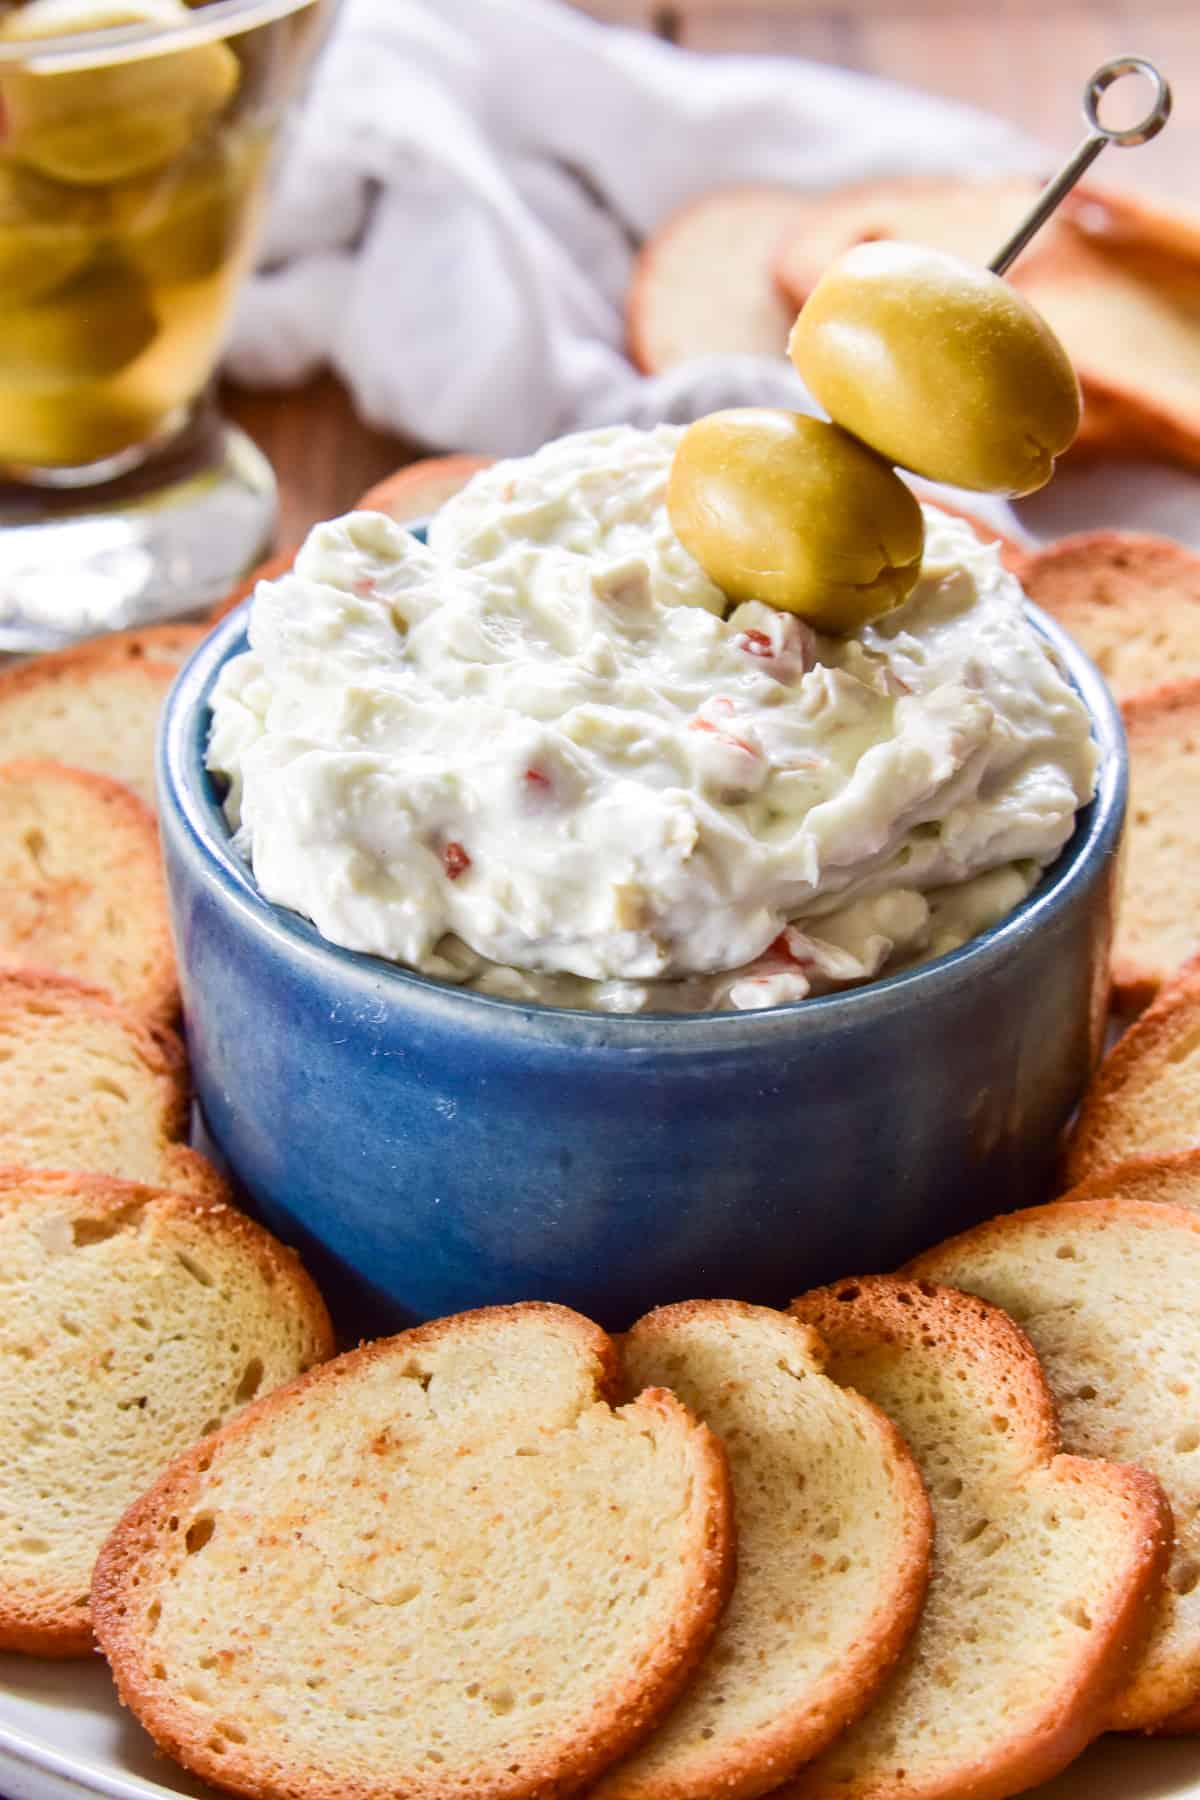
938, 365
795, 512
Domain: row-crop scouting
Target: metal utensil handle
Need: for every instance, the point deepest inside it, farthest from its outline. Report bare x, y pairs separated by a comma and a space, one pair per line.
1090, 148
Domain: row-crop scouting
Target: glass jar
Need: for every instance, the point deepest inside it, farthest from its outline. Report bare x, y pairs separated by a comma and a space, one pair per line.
133, 168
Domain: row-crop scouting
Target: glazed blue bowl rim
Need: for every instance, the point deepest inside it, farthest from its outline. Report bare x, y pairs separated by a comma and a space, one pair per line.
188, 802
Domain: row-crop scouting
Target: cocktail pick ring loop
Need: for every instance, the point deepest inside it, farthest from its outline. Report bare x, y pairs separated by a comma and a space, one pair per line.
1099, 135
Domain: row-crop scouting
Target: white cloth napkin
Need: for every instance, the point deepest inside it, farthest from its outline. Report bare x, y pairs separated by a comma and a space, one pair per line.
455, 222
458, 208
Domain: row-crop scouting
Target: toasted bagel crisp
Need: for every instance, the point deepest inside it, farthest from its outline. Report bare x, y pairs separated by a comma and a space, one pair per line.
134, 1321
1107, 1286
704, 283
1047, 1568
88, 1085
1130, 223
443, 1564
1131, 325
1145, 1097
81, 885
1117, 279
1131, 601
834, 1538
1168, 1180
965, 217
1158, 924
96, 705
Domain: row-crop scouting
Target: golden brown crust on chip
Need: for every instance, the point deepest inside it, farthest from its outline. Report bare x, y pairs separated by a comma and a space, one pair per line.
81, 885
1158, 925
1047, 1567
834, 1538
1142, 1099
1106, 1281
88, 1084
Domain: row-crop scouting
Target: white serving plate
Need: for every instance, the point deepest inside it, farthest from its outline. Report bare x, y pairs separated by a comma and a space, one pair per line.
64, 1737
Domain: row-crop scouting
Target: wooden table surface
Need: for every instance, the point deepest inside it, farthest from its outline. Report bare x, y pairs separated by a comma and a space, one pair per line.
1021, 59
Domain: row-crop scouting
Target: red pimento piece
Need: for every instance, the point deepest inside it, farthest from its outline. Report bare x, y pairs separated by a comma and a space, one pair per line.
455, 860
755, 643
781, 948
726, 737
364, 587
533, 778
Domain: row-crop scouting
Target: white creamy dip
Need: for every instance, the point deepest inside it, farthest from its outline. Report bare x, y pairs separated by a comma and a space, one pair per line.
535, 756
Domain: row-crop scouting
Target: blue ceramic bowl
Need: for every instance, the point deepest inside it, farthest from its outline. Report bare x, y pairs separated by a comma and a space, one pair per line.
430, 1149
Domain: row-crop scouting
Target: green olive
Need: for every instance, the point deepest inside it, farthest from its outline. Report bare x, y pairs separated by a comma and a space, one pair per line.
183, 223
797, 513
93, 327
114, 121
940, 366
47, 233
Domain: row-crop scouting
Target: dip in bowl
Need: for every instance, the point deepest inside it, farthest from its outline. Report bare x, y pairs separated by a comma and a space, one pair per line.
702, 998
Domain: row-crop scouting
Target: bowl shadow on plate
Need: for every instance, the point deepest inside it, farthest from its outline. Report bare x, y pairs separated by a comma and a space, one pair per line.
1131, 1768
104, 1740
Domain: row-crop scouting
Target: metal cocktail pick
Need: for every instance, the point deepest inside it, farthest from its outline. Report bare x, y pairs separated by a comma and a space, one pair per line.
1083, 158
